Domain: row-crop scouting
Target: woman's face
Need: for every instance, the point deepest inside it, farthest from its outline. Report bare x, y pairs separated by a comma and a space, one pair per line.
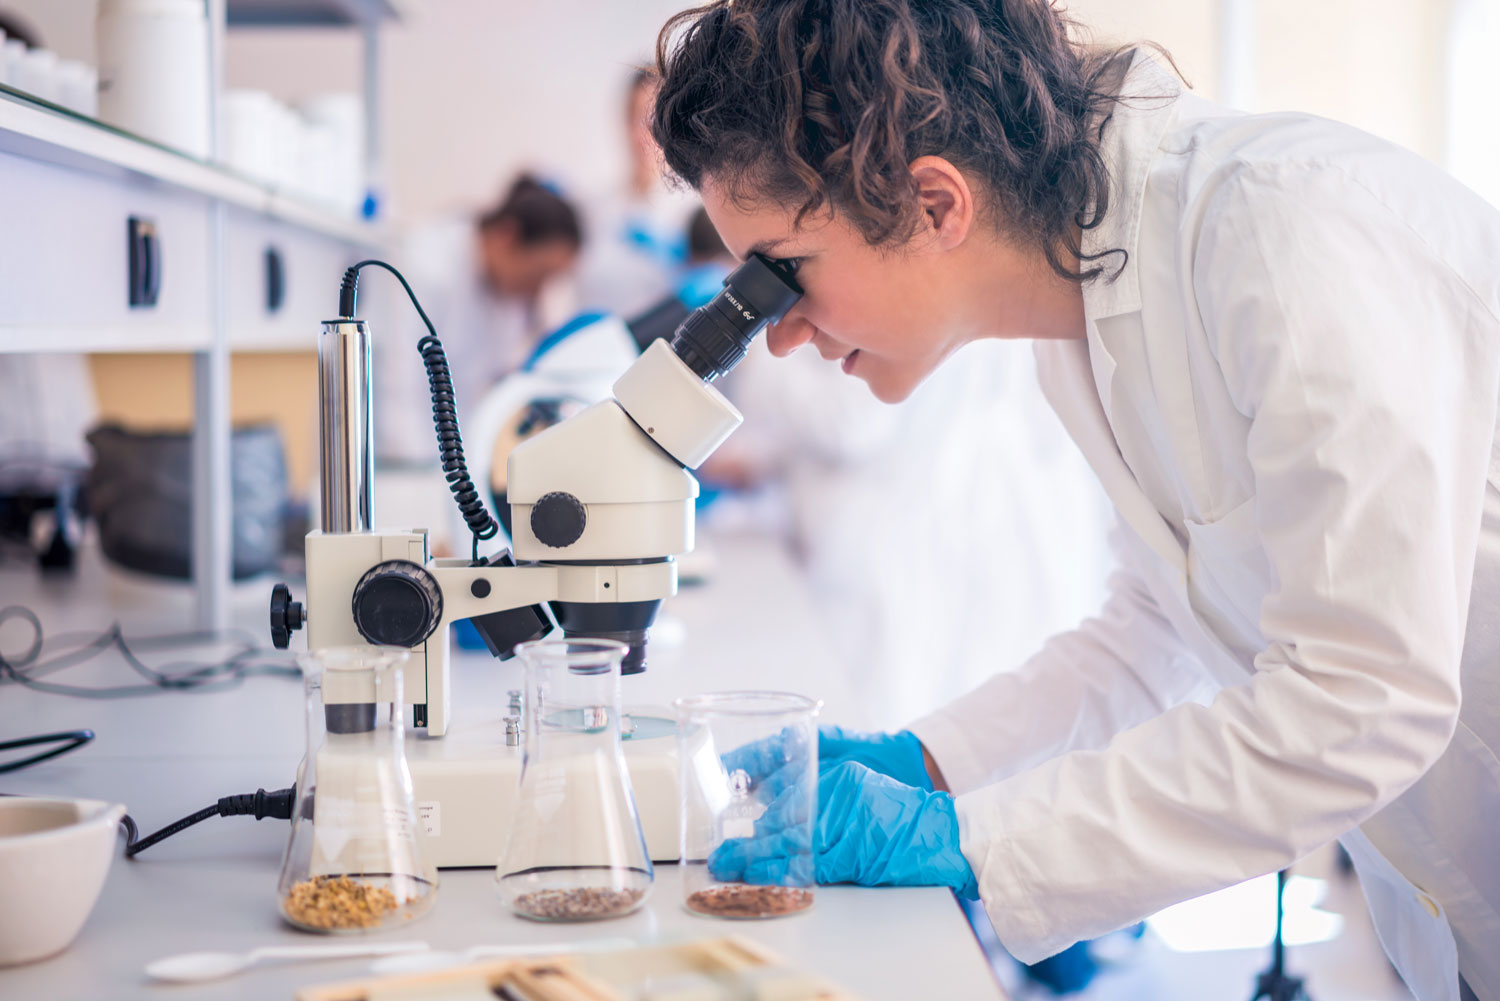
888, 316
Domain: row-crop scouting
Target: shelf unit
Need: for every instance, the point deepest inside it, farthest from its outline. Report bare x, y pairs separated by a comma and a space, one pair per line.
310, 13
68, 185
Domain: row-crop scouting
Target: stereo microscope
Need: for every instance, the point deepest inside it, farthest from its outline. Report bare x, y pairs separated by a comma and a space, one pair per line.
601, 504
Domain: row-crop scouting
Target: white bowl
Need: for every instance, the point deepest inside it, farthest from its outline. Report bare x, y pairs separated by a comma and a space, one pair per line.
54, 855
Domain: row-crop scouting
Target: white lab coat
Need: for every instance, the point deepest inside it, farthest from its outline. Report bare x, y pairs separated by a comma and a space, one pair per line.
1290, 395
941, 537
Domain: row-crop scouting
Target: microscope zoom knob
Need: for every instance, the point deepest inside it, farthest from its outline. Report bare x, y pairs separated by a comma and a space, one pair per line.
397, 603
286, 615
557, 519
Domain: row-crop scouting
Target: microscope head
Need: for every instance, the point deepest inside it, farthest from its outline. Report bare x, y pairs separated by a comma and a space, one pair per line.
609, 491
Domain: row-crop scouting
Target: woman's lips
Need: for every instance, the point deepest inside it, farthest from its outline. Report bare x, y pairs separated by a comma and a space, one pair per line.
848, 363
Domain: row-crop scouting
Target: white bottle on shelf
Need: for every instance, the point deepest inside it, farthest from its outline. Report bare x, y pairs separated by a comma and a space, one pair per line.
153, 70
35, 72
250, 126
11, 54
339, 120
77, 86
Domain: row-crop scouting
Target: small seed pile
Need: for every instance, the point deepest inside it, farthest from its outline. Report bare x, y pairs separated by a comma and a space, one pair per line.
583, 904
745, 901
331, 902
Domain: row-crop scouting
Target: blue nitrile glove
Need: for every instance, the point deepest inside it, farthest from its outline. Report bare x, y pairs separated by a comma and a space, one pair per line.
871, 830
898, 755
773, 762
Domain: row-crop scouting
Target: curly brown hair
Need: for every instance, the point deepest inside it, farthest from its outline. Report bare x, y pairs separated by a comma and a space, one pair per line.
825, 103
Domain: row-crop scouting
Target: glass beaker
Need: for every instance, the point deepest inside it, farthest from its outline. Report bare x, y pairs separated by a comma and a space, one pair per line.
749, 778
575, 851
356, 860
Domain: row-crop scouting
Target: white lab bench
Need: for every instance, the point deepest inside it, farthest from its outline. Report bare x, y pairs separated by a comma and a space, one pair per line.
212, 887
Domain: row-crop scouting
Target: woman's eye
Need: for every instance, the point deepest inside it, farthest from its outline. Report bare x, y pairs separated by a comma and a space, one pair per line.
791, 264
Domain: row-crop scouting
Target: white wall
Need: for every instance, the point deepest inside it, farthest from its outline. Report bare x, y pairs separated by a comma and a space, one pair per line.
475, 89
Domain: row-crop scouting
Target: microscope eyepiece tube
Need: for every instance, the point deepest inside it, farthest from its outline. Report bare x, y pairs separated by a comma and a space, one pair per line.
346, 459
713, 338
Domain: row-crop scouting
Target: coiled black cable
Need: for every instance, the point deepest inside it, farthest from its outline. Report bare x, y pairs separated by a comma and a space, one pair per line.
444, 409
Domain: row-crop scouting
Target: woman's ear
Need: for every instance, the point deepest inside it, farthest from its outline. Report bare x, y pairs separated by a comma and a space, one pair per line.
945, 199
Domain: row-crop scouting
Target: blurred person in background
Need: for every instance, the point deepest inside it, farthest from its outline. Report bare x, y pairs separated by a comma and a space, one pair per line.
637, 246
492, 288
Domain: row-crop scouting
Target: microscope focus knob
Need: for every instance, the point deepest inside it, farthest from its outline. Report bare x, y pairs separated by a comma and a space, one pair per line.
397, 603
286, 615
557, 519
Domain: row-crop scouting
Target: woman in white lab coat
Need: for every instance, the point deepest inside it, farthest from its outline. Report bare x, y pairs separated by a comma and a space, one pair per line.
1277, 341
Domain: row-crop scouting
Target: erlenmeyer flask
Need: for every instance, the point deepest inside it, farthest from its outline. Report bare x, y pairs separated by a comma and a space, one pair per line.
575, 850
356, 860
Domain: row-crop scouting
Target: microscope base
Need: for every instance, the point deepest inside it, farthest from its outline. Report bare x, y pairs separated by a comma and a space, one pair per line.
465, 788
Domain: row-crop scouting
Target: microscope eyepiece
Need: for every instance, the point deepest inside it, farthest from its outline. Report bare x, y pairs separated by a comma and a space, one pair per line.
714, 337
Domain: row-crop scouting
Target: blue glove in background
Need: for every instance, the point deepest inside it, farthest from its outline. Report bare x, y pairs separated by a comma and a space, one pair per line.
870, 829
898, 755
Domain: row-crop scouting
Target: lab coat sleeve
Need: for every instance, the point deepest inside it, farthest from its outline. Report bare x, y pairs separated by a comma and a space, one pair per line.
1370, 391
1118, 668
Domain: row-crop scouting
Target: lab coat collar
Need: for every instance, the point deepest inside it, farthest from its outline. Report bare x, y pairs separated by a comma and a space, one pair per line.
1131, 137
1067, 377
1078, 376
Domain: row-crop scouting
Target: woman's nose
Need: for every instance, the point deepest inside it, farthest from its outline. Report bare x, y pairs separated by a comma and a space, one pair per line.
789, 335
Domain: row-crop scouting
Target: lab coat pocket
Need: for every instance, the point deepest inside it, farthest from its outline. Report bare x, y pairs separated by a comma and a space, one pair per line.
1228, 576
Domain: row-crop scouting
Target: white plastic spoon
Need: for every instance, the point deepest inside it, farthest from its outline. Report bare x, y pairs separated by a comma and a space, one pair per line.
434, 960
191, 966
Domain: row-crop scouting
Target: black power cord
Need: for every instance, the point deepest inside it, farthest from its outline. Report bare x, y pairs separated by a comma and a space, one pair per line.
27, 668
444, 408
67, 741
258, 804
1275, 984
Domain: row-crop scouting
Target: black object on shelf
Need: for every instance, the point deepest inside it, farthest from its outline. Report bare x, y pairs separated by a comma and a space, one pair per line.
275, 280
145, 262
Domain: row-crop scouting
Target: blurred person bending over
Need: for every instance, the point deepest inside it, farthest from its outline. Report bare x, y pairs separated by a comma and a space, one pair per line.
637, 246
491, 290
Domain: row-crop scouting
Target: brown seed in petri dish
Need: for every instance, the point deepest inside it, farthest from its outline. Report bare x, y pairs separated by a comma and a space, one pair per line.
586, 903
337, 902
740, 900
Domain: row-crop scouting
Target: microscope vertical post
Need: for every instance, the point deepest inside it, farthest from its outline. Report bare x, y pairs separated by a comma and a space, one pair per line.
346, 422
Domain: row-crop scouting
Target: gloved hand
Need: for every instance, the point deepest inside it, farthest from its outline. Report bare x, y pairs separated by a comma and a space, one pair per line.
870, 829
898, 755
